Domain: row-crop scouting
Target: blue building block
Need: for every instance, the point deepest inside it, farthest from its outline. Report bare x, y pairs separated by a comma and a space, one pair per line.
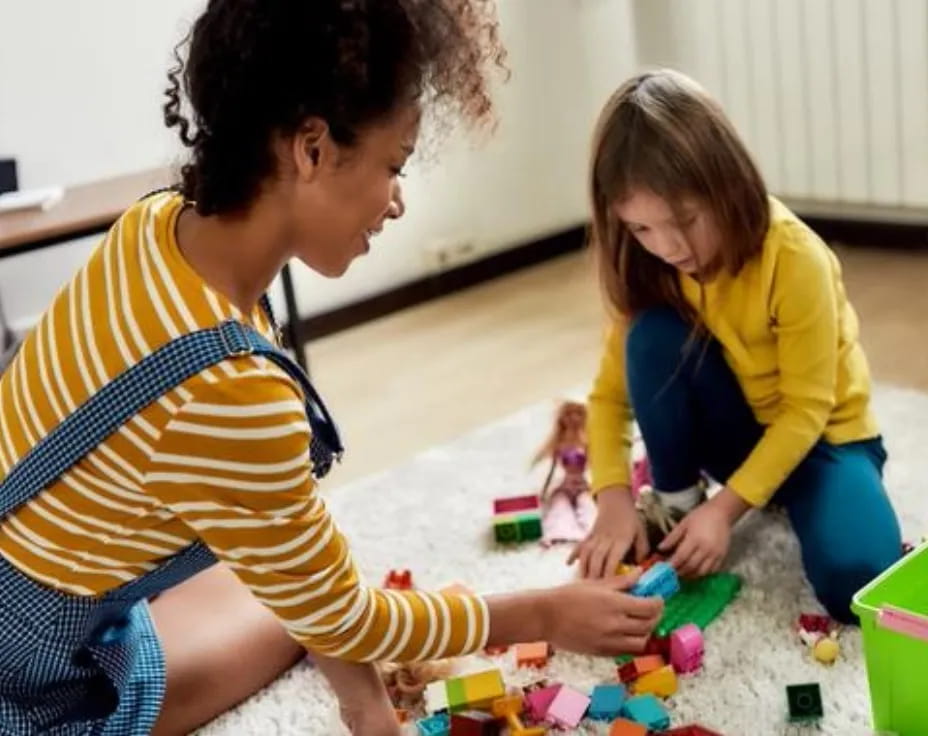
437, 725
648, 711
660, 579
606, 702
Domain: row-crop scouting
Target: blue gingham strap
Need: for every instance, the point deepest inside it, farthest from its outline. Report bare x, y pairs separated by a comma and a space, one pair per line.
136, 388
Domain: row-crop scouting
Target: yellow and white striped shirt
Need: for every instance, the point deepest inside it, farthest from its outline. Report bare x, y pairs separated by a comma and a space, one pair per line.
223, 458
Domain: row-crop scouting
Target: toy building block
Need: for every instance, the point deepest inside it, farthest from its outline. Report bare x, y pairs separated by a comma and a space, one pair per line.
474, 723
687, 648
437, 725
648, 711
495, 651
625, 569
510, 708
516, 503
652, 561
606, 702
699, 602
814, 622
474, 692
624, 659
691, 730
805, 702
533, 654
398, 580
658, 645
520, 526
436, 697
662, 682
538, 701
624, 727
640, 666
402, 715
568, 708
661, 579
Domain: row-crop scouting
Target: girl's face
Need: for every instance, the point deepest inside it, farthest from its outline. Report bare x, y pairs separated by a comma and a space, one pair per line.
342, 196
686, 237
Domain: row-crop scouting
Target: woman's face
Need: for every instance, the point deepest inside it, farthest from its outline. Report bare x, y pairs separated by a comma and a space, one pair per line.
574, 418
343, 195
684, 236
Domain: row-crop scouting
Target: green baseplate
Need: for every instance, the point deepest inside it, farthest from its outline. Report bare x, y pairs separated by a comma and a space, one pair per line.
699, 602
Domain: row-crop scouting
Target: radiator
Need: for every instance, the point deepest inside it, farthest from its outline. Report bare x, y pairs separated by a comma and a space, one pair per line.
831, 96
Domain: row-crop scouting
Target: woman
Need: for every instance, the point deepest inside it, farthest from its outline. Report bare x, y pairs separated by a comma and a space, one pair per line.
302, 117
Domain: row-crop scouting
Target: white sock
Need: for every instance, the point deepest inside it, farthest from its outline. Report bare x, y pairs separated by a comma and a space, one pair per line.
685, 500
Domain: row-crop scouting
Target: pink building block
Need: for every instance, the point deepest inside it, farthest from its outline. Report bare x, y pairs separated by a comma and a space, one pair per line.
686, 648
515, 503
568, 708
539, 701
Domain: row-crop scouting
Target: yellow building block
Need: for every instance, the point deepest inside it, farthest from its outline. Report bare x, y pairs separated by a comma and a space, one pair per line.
661, 682
483, 688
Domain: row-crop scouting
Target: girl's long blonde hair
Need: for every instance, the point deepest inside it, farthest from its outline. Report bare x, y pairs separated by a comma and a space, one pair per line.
662, 132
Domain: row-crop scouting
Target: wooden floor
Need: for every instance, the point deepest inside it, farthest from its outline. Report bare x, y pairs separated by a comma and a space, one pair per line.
426, 375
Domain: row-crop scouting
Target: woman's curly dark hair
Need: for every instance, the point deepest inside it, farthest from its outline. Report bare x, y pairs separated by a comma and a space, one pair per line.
256, 68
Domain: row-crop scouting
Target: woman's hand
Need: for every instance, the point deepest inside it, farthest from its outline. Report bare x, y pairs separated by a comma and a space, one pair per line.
701, 540
597, 617
586, 617
617, 529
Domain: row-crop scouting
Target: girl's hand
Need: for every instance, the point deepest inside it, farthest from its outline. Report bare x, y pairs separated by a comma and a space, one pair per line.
596, 617
616, 530
701, 540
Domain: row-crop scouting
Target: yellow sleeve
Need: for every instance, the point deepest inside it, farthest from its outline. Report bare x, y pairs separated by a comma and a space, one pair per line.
609, 424
805, 322
233, 464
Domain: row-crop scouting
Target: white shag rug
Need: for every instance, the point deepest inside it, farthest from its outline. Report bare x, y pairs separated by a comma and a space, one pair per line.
432, 515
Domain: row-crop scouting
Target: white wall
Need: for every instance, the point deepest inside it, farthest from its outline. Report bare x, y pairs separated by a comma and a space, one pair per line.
831, 97
81, 99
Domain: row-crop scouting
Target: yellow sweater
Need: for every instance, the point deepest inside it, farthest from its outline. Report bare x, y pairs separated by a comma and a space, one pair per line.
791, 337
223, 458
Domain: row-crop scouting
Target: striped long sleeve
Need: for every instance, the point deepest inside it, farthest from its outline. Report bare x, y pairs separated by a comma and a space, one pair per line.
238, 473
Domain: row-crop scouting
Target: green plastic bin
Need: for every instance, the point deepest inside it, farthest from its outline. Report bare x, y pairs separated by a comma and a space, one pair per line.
893, 611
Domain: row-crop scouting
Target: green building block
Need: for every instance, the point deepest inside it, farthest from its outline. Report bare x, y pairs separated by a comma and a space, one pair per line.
699, 602
805, 703
457, 694
624, 659
524, 526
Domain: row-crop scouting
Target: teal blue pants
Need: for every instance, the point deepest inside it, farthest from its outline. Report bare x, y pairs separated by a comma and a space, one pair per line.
695, 419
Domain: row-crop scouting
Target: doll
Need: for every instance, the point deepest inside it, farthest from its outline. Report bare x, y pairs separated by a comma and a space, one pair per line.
569, 510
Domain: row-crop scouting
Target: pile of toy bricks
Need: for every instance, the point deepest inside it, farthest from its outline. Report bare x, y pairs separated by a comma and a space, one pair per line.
480, 705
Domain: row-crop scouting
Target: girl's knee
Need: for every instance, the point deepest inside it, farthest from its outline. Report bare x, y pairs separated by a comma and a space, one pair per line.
837, 577
657, 335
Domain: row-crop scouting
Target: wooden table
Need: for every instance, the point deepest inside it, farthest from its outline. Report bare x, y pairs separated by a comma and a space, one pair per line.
90, 209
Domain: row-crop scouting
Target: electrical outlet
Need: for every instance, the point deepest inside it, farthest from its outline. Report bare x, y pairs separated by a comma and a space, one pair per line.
444, 254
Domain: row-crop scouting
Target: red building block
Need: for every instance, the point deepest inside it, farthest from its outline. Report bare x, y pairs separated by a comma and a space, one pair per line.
692, 730
658, 645
815, 623
474, 723
640, 666
397, 580
516, 503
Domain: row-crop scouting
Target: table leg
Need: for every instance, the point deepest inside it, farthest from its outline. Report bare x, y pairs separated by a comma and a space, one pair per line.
295, 337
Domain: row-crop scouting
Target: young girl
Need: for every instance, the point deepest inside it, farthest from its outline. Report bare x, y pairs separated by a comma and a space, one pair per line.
150, 426
734, 346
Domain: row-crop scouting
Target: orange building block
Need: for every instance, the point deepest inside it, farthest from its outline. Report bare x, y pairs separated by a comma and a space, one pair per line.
534, 654
640, 666
623, 727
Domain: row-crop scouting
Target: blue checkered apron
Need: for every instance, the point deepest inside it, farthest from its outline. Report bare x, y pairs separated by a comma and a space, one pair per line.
93, 665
